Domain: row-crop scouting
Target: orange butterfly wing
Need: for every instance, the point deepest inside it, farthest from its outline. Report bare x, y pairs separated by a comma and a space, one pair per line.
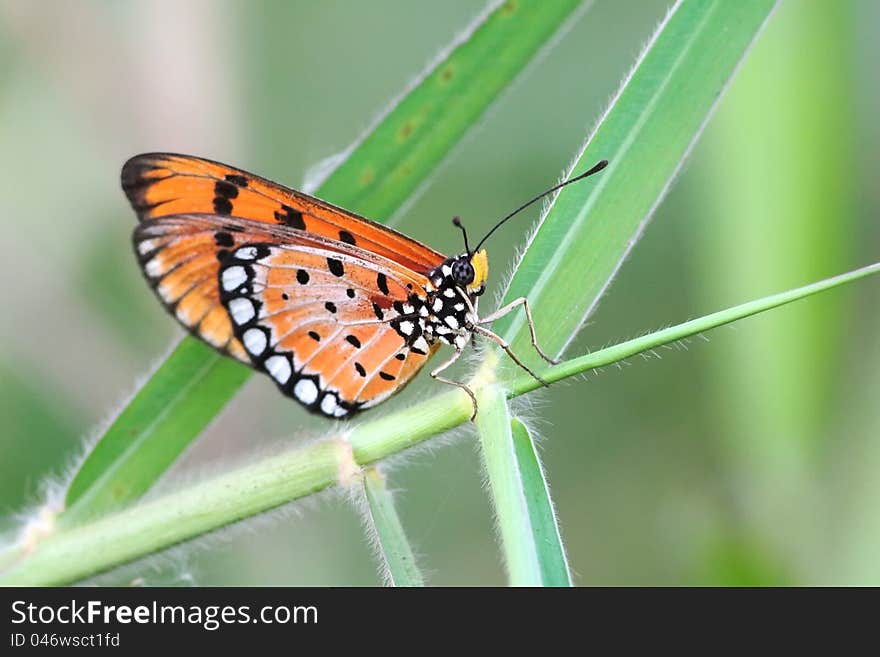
194, 213
180, 257
162, 184
326, 325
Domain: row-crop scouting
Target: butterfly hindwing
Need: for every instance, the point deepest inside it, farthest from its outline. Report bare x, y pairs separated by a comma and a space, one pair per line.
180, 257
325, 325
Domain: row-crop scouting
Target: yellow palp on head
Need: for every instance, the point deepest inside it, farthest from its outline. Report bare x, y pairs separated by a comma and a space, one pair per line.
480, 263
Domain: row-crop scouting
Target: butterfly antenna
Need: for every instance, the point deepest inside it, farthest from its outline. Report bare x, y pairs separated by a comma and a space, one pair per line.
595, 169
457, 222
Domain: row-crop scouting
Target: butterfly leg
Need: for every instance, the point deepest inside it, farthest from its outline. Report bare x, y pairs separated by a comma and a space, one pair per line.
501, 342
501, 312
435, 374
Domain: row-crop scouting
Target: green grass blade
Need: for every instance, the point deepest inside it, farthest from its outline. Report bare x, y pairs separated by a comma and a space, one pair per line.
407, 146
505, 487
376, 177
394, 549
646, 134
624, 350
545, 530
74, 553
530, 539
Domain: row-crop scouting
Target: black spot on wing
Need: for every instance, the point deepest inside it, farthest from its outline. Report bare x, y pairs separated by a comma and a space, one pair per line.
346, 237
350, 293
223, 239
382, 282
224, 189
314, 336
222, 205
236, 179
353, 341
335, 267
302, 276
360, 369
378, 311
330, 306
387, 376
290, 217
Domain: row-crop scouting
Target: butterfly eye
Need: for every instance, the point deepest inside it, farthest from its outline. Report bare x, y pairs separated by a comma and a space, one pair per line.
462, 272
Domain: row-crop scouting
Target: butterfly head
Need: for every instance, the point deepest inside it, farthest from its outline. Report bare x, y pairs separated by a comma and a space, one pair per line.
470, 271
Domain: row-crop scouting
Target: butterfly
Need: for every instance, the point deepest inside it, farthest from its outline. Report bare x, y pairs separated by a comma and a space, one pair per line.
341, 312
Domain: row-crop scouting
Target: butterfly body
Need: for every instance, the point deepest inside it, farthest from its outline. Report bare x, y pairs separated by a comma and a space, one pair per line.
449, 312
341, 312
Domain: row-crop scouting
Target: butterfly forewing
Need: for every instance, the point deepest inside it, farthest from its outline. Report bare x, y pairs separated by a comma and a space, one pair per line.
180, 256
162, 184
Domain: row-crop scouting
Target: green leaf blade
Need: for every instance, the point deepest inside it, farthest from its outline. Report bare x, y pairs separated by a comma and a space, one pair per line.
395, 551
409, 144
545, 529
645, 135
530, 538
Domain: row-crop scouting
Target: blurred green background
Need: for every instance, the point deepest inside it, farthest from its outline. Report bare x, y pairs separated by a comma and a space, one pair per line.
750, 458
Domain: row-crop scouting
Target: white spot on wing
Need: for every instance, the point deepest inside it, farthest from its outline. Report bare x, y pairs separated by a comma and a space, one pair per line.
328, 404
233, 277
421, 344
451, 322
153, 268
438, 305
165, 293
146, 246
306, 391
459, 307
246, 253
279, 368
449, 292
242, 310
406, 327
254, 341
